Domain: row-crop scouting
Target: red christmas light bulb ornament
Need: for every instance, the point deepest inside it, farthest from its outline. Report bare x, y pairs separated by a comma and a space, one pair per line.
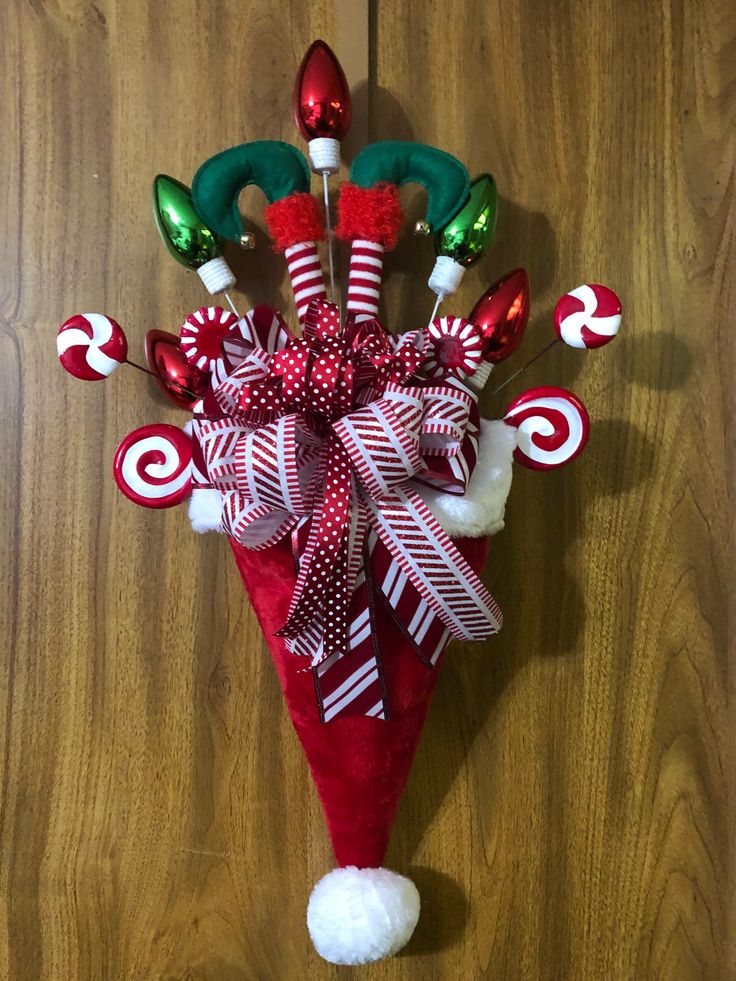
322, 106
501, 315
180, 382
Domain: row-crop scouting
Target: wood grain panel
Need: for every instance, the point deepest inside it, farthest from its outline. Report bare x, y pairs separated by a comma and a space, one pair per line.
568, 815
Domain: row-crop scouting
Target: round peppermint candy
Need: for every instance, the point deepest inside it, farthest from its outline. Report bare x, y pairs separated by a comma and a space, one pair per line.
588, 316
153, 466
454, 348
553, 427
202, 334
91, 346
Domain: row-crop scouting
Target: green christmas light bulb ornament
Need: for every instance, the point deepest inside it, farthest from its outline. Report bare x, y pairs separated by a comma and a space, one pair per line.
189, 240
465, 237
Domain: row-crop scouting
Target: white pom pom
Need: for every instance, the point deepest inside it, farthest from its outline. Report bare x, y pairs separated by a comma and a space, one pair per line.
216, 275
205, 509
324, 155
446, 276
360, 915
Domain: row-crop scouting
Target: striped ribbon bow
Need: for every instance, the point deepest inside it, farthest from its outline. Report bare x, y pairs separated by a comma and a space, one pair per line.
321, 438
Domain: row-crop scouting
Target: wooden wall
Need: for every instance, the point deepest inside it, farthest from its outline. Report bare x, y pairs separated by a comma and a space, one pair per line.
567, 816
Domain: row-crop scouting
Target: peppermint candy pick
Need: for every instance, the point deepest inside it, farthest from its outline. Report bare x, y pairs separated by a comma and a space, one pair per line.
91, 346
202, 334
553, 427
454, 348
588, 316
153, 466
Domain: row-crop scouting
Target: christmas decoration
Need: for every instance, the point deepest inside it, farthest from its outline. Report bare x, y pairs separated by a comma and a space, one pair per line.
370, 214
588, 317
91, 346
456, 346
152, 466
501, 315
180, 382
553, 427
465, 238
186, 236
352, 473
322, 110
202, 335
322, 106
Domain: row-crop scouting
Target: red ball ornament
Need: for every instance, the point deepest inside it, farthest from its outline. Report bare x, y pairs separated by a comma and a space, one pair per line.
153, 466
91, 346
588, 316
553, 427
181, 382
322, 105
501, 315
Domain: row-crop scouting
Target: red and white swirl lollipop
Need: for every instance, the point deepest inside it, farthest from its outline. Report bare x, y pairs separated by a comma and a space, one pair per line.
91, 346
153, 466
553, 427
454, 348
588, 316
202, 334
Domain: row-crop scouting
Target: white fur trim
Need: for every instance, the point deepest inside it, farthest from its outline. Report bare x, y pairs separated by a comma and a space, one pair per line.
360, 915
205, 509
479, 511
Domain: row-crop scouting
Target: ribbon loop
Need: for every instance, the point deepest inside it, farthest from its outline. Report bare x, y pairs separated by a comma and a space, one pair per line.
383, 451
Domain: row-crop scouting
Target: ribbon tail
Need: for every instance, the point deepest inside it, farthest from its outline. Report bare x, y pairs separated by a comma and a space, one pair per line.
430, 561
353, 684
421, 626
324, 580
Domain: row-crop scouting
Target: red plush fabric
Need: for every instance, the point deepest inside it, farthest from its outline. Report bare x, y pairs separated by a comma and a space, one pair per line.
359, 765
292, 220
370, 213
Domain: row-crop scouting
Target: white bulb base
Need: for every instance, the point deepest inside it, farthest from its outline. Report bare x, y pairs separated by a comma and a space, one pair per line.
446, 276
324, 155
216, 275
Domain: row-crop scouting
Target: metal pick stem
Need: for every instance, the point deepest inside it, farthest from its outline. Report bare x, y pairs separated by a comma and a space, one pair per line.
528, 364
440, 298
328, 225
140, 367
231, 305
153, 374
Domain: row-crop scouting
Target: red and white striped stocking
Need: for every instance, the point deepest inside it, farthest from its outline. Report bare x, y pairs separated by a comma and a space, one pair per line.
305, 272
364, 281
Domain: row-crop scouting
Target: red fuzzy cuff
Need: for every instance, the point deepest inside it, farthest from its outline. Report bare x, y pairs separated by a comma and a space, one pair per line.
372, 213
292, 220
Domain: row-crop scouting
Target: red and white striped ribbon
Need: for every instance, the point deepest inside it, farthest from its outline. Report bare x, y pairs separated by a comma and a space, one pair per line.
429, 636
352, 683
364, 278
441, 575
348, 683
307, 278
